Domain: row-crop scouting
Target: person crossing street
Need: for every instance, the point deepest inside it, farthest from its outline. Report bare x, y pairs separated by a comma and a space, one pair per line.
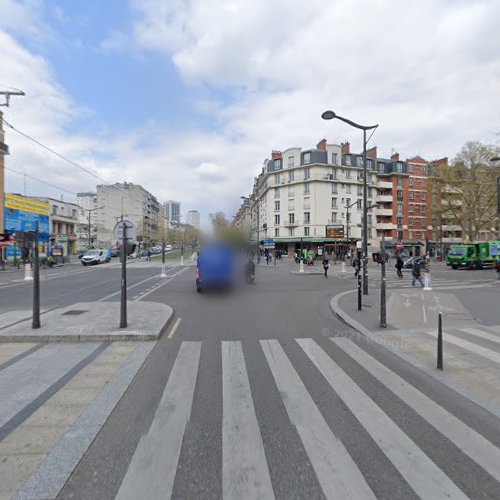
416, 275
326, 265
399, 266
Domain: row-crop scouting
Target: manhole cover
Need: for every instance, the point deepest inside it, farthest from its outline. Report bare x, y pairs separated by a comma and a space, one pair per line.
74, 312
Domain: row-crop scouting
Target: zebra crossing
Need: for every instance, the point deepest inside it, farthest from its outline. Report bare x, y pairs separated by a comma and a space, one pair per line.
246, 470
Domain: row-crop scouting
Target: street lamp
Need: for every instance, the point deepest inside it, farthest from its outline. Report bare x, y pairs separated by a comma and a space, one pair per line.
330, 115
347, 227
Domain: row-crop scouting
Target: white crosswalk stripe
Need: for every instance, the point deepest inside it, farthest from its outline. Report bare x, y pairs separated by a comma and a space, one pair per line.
152, 471
245, 467
481, 334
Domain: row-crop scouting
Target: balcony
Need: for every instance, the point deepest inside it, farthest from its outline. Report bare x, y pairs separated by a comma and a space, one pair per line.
383, 211
291, 224
385, 225
383, 198
384, 185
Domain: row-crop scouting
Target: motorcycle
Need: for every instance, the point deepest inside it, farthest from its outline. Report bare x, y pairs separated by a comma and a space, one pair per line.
250, 273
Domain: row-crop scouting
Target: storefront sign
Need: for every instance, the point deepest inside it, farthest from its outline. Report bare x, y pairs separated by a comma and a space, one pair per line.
335, 231
21, 214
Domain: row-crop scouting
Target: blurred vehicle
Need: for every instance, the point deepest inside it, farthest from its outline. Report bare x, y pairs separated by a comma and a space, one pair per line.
114, 252
97, 256
135, 255
168, 248
215, 267
408, 264
471, 255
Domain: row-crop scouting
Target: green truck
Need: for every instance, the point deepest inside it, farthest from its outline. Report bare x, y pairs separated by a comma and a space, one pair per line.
471, 255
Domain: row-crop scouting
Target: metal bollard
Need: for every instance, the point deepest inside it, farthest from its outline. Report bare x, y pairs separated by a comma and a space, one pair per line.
359, 289
440, 343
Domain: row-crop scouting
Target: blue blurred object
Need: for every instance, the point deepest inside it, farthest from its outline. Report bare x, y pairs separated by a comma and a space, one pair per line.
216, 267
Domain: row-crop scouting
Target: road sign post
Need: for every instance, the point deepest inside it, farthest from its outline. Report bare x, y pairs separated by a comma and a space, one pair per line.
36, 282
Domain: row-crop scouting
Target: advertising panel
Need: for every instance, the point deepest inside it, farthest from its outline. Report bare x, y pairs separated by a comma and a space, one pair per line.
335, 231
21, 214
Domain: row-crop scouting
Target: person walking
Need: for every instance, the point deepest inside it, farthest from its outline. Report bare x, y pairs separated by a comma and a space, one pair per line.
399, 266
326, 265
416, 275
355, 264
148, 254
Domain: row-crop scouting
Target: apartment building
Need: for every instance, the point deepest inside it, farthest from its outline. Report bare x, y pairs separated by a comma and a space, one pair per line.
312, 198
193, 218
134, 203
87, 218
172, 211
63, 223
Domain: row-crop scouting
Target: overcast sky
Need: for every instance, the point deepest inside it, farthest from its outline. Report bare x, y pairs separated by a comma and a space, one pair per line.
188, 97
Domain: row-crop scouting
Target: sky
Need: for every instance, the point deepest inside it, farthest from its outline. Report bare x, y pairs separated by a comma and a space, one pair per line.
189, 97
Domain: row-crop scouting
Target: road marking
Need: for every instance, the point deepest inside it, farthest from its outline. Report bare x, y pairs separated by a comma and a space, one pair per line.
484, 335
421, 473
153, 467
337, 473
171, 334
471, 442
129, 287
245, 473
159, 285
469, 346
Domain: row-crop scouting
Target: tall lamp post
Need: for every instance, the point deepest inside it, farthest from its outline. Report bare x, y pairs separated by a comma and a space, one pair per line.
330, 115
348, 207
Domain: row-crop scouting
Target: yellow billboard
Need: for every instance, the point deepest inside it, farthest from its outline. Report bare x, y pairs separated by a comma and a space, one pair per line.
26, 204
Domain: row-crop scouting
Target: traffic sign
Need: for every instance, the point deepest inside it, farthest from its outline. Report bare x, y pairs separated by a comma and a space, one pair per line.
399, 246
131, 231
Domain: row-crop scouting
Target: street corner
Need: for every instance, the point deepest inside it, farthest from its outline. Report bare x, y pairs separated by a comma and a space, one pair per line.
94, 322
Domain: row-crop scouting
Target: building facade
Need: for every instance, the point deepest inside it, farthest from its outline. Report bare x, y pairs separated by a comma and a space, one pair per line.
135, 204
172, 211
63, 217
193, 218
87, 219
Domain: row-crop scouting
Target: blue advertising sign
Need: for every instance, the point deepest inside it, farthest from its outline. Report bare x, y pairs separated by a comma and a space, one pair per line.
20, 220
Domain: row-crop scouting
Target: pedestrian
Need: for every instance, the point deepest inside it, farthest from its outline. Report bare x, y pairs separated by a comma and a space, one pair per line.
399, 266
355, 264
268, 257
416, 273
148, 254
326, 265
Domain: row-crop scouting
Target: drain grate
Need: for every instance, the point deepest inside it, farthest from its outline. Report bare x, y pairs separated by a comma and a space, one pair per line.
74, 312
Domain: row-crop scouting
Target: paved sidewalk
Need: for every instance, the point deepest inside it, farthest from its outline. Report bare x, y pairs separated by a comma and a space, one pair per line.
90, 322
471, 347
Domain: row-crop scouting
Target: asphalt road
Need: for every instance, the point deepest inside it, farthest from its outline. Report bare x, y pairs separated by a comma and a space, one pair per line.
231, 403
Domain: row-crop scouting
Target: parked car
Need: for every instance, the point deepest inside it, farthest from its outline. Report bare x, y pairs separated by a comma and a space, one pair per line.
135, 255
97, 256
114, 252
168, 248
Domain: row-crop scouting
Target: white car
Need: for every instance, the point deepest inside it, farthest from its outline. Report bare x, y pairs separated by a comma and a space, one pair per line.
97, 256
168, 248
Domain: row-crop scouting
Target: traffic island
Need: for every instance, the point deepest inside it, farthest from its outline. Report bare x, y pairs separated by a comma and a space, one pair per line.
94, 322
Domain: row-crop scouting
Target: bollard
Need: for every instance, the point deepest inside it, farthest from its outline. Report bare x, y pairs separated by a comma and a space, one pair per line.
440, 343
343, 267
359, 290
301, 266
182, 260
28, 275
427, 281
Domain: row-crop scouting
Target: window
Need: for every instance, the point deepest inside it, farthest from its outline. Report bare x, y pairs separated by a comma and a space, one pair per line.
334, 202
361, 176
347, 159
399, 194
381, 166
410, 207
370, 190
276, 220
399, 166
400, 235
400, 209
291, 231
334, 217
369, 232
291, 192
424, 182
348, 188
369, 220
410, 221
359, 204
410, 181
291, 161
369, 164
306, 158
277, 232
306, 187
334, 158
277, 164
73, 213
276, 192
400, 182
410, 167
400, 221
334, 173
306, 231
334, 189
347, 174
424, 209
276, 206
291, 175
276, 178
359, 161
54, 210
411, 195
424, 169
307, 217
307, 173
348, 201
291, 218
307, 202
423, 196
360, 190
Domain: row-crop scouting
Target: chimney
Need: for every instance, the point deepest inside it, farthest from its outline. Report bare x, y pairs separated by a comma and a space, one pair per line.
321, 144
395, 156
346, 148
275, 155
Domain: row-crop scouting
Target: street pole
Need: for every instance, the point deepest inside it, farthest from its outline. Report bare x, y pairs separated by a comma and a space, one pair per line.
347, 230
365, 219
440, 342
123, 301
163, 274
258, 231
359, 283
383, 309
36, 283
301, 265
182, 250
90, 244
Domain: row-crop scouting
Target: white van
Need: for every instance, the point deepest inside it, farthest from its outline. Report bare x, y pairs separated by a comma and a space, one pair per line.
97, 256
